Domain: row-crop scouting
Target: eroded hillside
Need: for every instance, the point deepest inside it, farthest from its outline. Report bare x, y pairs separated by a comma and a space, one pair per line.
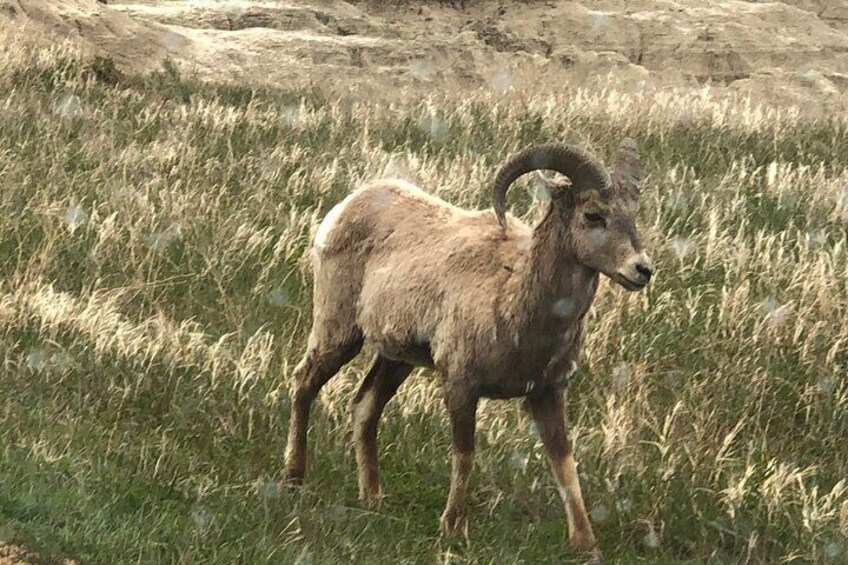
782, 52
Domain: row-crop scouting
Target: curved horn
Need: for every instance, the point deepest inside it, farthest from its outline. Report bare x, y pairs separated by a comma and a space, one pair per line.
583, 170
627, 165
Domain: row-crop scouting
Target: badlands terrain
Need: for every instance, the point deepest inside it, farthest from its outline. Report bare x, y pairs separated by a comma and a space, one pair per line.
794, 51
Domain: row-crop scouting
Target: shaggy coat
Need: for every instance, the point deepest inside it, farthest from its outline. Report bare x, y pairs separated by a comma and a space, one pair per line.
509, 317
494, 306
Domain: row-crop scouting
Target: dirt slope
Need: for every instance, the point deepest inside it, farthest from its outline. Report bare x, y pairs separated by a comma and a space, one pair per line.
16, 555
794, 51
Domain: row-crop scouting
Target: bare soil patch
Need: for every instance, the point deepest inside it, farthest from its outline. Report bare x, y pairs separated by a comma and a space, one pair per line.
16, 555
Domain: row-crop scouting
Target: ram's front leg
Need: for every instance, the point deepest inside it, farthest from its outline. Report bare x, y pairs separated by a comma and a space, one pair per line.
548, 409
463, 417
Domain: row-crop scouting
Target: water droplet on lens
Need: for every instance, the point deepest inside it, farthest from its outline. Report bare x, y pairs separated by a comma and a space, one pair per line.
171, 40
271, 490
291, 116
502, 82
75, 216
201, 518
63, 361
599, 21
682, 247
563, 307
69, 106
540, 191
621, 375
599, 514
519, 461
769, 305
598, 236
305, 558
832, 550
651, 539
827, 385
420, 68
160, 240
679, 201
37, 360
433, 126
278, 297
771, 174
774, 313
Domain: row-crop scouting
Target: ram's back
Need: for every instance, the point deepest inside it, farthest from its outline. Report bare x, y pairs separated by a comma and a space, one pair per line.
416, 264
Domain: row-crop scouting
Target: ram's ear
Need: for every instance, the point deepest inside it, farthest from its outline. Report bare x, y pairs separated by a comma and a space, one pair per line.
554, 187
628, 167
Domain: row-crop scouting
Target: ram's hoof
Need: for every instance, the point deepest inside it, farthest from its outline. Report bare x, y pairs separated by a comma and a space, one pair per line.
595, 557
292, 479
453, 522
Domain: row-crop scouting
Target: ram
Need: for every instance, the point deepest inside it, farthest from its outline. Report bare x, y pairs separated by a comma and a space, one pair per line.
494, 306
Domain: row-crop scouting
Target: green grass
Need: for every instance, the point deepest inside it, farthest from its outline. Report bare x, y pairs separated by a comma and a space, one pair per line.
154, 299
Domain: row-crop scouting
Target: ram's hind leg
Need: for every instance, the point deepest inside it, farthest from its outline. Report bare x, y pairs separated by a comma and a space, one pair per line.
380, 385
548, 410
318, 366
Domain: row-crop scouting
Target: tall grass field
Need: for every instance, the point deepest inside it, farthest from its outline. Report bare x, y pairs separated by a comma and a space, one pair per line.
155, 296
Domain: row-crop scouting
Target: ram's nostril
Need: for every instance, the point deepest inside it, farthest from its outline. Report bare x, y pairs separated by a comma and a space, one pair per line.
644, 271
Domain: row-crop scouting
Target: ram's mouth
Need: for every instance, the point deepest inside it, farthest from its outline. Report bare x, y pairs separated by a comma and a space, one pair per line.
627, 283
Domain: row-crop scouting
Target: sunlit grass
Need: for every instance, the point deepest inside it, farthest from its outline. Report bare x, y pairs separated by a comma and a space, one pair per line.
154, 299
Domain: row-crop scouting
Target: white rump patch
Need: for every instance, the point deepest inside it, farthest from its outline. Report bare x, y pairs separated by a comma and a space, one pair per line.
329, 222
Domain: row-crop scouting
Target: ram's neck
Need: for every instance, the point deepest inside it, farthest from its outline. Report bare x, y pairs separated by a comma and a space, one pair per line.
555, 289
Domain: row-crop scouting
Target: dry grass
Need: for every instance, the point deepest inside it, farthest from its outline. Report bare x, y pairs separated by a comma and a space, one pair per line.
154, 299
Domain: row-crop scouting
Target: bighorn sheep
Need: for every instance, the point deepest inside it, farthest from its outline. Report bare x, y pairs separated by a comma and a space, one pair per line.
494, 306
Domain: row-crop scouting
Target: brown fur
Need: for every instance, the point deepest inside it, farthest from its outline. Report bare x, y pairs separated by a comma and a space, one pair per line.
497, 312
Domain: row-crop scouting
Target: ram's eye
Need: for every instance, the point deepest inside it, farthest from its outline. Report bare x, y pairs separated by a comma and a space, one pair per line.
595, 219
